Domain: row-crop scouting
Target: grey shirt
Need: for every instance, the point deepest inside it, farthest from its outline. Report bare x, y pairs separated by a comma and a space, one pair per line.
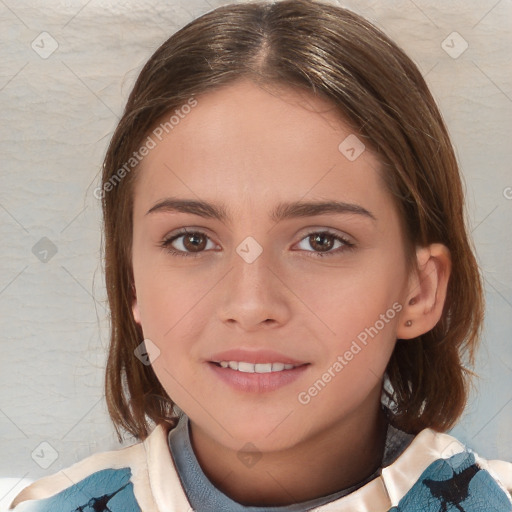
205, 497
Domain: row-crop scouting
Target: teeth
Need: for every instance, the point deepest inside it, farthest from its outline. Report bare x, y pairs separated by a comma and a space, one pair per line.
244, 367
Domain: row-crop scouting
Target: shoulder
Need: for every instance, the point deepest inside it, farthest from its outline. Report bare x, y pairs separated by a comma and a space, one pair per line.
113, 480
447, 473
435, 472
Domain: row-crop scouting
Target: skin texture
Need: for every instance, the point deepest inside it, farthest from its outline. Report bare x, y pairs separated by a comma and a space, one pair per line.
250, 148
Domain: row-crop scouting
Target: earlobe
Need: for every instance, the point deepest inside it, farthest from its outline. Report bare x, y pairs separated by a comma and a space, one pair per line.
135, 307
136, 312
426, 293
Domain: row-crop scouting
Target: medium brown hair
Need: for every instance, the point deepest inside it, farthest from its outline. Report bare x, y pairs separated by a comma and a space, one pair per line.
335, 54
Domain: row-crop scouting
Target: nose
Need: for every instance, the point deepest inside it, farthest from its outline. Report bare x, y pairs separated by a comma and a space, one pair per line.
254, 293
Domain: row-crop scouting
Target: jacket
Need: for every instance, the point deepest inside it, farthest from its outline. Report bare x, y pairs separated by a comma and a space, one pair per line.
435, 473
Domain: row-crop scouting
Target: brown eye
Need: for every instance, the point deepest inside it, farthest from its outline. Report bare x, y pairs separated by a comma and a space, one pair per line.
187, 243
194, 242
322, 241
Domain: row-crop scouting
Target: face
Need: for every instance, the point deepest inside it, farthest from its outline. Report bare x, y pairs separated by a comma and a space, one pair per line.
320, 288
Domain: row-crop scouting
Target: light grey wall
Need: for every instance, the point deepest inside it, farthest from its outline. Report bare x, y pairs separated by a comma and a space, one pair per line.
58, 111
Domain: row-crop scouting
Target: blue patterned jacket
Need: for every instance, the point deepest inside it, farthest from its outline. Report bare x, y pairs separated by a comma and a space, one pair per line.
435, 473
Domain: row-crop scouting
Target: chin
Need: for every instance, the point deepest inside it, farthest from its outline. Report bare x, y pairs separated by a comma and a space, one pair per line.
265, 434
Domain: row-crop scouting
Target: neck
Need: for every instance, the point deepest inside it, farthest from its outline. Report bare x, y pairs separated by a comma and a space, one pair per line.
336, 458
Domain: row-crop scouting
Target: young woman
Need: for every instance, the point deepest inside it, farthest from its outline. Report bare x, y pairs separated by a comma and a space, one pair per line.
291, 284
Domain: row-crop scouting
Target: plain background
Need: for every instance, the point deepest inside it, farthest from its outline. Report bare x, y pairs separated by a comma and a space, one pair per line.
58, 112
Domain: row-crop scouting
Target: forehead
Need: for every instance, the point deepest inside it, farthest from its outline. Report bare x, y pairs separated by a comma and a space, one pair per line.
244, 144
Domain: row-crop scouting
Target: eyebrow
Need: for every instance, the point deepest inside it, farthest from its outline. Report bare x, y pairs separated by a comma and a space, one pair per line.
283, 211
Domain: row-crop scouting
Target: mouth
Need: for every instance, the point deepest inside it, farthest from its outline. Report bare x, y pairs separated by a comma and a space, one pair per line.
246, 377
246, 367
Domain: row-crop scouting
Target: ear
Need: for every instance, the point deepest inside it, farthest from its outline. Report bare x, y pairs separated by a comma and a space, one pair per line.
135, 306
426, 295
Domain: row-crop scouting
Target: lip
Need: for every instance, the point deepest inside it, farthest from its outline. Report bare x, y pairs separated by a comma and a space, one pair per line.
256, 382
254, 356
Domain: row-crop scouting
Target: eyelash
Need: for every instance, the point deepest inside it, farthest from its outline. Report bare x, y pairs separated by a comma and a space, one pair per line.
347, 245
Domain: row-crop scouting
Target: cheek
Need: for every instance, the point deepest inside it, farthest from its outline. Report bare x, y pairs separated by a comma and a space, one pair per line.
173, 309
346, 300
165, 294
357, 311
168, 312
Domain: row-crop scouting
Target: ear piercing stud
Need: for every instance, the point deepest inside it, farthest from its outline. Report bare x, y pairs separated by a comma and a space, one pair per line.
408, 323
